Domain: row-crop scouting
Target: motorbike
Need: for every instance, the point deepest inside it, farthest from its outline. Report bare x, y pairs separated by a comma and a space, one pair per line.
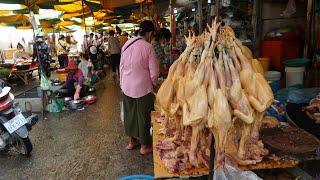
14, 126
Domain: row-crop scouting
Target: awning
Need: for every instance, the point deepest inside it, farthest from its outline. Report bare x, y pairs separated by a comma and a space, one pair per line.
71, 6
107, 4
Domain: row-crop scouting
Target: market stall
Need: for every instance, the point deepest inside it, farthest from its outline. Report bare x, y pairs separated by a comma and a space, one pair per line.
216, 89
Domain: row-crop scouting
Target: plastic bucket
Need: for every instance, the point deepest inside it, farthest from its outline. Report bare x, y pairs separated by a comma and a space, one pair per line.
294, 75
137, 177
273, 77
300, 62
265, 62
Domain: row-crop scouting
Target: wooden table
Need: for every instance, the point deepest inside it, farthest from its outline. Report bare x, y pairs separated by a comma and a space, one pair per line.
23, 74
160, 170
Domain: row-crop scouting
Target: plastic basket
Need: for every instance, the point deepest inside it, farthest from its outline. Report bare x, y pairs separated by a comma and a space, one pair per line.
137, 177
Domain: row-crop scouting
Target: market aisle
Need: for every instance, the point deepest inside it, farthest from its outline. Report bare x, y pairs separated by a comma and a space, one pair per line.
87, 144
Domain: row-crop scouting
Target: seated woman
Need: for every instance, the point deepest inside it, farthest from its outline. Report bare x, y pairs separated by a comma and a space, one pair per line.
20, 54
75, 80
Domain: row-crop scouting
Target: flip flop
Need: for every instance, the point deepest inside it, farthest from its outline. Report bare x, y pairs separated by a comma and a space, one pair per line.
145, 150
132, 145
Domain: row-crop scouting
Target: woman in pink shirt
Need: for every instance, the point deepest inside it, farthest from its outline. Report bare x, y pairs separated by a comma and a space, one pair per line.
139, 71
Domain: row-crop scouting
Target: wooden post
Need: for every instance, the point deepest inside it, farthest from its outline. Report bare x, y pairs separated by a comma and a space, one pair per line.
257, 26
200, 15
217, 6
83, 18
212, 158
308, 27
173, 31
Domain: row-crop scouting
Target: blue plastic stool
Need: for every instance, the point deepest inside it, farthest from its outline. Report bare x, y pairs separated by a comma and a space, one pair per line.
137, 177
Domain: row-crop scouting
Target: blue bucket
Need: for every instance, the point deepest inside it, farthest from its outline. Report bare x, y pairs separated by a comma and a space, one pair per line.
137, 177
273, 77
275, 85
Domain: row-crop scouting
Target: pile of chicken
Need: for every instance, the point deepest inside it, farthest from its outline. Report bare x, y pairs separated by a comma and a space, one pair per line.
214, 87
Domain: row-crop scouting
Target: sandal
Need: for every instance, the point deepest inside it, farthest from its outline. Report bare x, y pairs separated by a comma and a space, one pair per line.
145, 150
132, 145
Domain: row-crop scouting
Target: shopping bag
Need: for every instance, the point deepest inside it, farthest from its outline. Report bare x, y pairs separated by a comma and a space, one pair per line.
45, 83
232, 173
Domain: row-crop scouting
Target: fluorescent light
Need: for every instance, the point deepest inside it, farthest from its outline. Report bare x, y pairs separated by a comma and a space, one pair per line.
209, 1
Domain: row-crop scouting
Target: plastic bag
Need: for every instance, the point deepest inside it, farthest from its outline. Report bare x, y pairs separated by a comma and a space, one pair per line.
57, 105
233, 173
45, 83
296, 95
290, 9
121, 112
225, 3
277, 110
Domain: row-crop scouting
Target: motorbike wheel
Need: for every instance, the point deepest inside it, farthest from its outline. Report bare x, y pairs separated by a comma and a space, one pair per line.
23, 146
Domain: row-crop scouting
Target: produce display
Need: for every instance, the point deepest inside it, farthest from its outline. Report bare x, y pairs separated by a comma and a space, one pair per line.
4, 72
214, 87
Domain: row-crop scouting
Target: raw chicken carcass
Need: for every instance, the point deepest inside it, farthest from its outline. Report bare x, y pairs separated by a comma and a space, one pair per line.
257, 67
256, 86
226, 96
238, 98
219, 121
241, 108
167, 90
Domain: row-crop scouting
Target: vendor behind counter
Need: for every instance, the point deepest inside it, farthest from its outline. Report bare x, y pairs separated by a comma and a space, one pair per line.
20, 53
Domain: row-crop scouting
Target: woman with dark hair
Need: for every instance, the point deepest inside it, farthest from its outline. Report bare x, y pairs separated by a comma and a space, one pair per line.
162, 37
20, 53
114, 50
62, 51
139, 71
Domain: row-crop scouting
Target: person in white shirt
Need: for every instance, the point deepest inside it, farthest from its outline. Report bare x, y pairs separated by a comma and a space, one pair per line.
85, 44
83, 66
114, 49
62, 51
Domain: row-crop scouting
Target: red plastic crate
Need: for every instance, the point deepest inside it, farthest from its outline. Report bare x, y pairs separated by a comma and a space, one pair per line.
279, 50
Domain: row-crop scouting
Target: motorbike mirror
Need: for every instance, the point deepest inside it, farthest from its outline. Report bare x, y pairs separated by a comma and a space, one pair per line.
2, 85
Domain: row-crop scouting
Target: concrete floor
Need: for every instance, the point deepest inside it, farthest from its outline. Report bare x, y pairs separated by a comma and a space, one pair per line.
87, 144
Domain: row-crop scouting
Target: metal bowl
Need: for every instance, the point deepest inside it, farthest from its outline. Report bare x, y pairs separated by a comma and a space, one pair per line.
90, 99
91, 89
75, 104
67, 99
56, 83
56, 80
23, 66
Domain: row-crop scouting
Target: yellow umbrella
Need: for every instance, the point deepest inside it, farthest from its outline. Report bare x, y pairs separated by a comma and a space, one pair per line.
99, 15
14, 18
64, 23
71, 15
24, 27
5, 12
72, 7
107, 4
